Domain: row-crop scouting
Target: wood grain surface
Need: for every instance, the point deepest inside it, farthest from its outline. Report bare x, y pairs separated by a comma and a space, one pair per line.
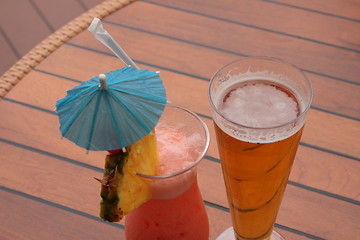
47, 186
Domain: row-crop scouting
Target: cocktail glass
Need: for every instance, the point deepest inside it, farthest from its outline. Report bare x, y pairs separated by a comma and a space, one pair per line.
176, 210
256, 146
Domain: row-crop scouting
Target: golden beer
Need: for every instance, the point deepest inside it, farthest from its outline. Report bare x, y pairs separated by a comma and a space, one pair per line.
259, 118
255, 175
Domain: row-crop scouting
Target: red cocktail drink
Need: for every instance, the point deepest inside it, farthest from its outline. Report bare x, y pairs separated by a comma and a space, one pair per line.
177, 210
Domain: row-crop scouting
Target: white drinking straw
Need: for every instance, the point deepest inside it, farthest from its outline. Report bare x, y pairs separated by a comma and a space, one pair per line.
97, 29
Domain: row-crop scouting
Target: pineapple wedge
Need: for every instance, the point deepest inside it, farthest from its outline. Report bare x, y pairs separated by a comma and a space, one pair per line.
122, 190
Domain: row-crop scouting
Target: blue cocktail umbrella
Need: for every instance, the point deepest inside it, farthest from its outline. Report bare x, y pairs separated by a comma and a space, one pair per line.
112, 111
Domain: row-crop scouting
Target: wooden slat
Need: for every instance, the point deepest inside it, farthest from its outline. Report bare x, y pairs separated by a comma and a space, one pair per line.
247, 41
63, 223
317, 169
7, 51
287, 20
315, 212
29, 22
339, 100
334, 96
175, 83
58, 13
45, 121
30, 218
48, 124
110, 63
326, 171
327, 136
44, 135
42, 169
341, 8
90, 3
23, 35
203, 63
49, 179
39, 173
312, 135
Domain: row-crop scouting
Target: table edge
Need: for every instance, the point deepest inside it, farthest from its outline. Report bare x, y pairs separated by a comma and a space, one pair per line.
24, 65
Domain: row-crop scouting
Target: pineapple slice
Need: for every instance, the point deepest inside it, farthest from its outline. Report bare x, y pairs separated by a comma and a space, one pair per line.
122, 190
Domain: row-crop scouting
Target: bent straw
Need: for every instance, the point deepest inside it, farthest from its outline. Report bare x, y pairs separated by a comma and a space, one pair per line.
97, 29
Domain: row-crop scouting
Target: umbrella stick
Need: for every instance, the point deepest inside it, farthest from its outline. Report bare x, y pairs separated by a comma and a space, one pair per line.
97, 29
103, 84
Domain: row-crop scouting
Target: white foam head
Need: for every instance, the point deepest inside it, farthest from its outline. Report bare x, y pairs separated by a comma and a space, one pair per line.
256, 111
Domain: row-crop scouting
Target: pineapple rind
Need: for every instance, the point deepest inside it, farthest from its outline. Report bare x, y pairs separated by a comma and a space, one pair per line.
114, 164
122, 190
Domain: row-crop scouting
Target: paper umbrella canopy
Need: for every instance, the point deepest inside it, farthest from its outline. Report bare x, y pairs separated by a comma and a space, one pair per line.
112, 111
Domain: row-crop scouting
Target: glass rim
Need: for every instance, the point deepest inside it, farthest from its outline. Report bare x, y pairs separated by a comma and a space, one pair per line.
277, 60
201, 155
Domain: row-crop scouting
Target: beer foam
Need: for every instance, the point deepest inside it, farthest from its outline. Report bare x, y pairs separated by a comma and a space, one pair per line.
257, 107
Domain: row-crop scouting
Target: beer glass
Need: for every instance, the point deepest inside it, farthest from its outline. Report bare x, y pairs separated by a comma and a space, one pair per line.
259, 106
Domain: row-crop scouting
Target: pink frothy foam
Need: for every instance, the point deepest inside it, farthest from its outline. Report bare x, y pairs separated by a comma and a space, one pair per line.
176, 150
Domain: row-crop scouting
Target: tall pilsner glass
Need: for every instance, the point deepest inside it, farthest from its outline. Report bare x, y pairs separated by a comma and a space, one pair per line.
259, 106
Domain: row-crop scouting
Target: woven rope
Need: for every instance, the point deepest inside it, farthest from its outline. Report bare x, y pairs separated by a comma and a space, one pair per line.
22, 67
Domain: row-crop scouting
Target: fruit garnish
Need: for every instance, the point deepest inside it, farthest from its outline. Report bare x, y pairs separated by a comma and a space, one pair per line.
121, 189
115, 151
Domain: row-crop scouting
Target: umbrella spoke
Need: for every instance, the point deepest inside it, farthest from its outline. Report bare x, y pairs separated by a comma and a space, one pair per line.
115, 122
136, 118
94, 118
155, 98
65, 111
130, 77
115, 117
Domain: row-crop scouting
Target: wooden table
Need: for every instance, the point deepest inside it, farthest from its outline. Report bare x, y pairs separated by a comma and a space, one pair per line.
47, 187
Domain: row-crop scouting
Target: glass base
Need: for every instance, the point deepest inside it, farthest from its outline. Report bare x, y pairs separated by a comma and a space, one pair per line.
228, 234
